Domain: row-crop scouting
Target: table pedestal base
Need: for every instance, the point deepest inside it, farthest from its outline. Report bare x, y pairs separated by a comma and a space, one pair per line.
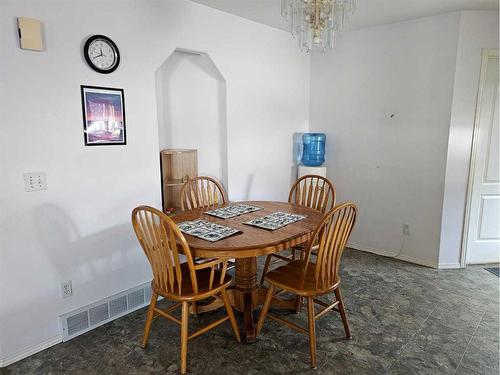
246, 296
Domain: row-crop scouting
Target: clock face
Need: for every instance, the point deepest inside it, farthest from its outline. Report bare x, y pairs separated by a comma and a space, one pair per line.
101, 54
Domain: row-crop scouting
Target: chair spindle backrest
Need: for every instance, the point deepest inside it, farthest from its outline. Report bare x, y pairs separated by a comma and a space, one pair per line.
202, 192
313, 191
331, 236
158, 236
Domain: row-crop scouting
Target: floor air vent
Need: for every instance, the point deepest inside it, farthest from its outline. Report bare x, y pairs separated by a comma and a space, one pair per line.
136, 298
99, 314
86, 318
78, 322
118, 306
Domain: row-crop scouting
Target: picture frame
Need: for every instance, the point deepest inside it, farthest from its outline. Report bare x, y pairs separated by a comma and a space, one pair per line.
103, 111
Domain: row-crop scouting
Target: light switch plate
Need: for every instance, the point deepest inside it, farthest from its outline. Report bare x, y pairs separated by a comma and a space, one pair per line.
35, 181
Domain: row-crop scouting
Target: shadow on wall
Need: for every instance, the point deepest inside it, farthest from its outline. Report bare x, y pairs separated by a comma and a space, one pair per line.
192, 110
296, 156
96, 264
248, 187
84, 259
297, 148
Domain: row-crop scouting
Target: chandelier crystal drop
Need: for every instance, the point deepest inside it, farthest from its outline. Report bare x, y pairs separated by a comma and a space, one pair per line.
315, 23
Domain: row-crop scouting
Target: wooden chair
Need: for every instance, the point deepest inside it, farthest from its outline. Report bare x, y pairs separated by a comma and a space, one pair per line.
202, 192
310, 191
310, 280
183, 283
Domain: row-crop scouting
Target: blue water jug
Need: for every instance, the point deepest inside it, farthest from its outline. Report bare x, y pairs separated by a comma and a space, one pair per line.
313, 154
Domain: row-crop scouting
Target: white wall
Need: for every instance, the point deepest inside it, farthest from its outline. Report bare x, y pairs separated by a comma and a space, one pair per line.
478, 30
192, 105
383, 97
79, 228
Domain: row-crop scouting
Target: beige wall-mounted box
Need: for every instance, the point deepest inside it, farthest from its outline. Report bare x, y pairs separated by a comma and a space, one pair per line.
30, 33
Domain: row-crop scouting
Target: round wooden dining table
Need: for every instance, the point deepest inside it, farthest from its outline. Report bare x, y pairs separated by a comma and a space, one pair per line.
246, 246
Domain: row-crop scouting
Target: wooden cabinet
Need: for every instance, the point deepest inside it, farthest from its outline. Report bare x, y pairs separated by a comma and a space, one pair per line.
177, 166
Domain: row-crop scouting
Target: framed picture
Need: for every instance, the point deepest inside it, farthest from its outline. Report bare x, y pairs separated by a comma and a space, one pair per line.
103, 116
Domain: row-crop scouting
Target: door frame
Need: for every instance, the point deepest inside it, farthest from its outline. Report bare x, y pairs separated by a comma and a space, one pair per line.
486, 54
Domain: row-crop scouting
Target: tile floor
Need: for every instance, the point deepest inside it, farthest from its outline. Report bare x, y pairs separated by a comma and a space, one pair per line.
405, 319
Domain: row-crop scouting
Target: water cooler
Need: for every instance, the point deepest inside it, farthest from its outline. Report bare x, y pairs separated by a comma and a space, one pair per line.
313, 155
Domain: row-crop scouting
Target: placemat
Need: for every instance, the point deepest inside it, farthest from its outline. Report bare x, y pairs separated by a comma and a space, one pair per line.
233, 210
206, 231
275, 220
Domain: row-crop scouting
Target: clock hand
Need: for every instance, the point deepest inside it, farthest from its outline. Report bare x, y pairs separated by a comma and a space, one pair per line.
96, 56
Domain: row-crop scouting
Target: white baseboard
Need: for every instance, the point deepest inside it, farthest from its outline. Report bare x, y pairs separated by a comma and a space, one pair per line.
30, 351
385, 253
449, 266
485, 263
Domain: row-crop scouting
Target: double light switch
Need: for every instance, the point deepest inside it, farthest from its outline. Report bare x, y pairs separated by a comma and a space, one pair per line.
35, 181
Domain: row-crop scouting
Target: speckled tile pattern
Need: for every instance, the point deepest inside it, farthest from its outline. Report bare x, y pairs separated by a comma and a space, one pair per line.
405, 319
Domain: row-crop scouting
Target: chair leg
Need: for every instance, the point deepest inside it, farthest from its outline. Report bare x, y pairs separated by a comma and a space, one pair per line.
194, 306
184, 336
265, 309
312, 331
149, 319
298, 304
266, 267
343, 315
230, 313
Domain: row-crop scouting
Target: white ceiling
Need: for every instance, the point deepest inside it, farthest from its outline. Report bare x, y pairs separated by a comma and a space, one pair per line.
368, 12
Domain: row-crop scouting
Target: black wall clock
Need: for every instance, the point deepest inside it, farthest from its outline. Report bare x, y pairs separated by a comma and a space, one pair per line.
101, 53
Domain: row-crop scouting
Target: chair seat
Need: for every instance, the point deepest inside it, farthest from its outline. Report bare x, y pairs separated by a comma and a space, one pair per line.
289, 277
203, 277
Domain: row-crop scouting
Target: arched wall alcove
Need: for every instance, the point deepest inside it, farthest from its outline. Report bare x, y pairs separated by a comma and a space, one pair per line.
191, 99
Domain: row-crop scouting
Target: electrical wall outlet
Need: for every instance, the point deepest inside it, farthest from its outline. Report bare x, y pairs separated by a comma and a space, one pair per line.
66, 289
406, 229
35, 181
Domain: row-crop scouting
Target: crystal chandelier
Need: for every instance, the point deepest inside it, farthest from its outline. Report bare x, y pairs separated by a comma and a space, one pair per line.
315, 23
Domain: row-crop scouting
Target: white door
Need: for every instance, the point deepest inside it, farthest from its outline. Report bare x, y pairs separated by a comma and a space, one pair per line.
483, 234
